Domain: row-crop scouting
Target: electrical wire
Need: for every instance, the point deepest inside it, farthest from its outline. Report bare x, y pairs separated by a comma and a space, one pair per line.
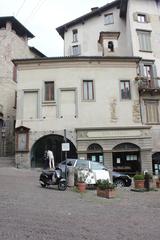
35, 10
20, 8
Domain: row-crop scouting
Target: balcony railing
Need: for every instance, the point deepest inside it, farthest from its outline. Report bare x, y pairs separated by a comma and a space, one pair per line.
148, 85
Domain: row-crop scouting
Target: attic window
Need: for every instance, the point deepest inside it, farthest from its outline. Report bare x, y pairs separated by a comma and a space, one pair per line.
75, 35
108, 19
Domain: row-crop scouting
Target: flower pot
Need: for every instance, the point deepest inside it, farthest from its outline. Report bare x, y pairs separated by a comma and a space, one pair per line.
139, 184
81, 186
158, 184
106, 193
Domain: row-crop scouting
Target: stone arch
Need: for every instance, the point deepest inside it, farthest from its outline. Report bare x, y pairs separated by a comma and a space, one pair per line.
95, 152
126, 158
52, 142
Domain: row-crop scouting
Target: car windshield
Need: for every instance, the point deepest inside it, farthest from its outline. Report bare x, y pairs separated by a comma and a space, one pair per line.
97, 166
84, 164
69, 162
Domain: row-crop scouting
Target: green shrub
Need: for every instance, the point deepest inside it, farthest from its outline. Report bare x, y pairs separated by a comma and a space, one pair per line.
139, 177
104, 184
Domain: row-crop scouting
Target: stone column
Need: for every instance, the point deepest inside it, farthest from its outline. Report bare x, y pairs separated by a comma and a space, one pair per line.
146, 160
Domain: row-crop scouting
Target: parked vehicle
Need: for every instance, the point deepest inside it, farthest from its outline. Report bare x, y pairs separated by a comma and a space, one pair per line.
119, 179
96, 170
53, 177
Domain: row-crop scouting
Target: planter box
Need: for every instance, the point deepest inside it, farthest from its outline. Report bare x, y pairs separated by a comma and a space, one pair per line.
107, 193
158, 184
139, 184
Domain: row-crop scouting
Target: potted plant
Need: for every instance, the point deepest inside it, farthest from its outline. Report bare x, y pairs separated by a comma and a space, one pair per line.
158, 182
80, 179
105, 189
139, 181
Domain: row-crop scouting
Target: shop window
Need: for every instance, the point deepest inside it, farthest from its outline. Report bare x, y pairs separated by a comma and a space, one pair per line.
125, 89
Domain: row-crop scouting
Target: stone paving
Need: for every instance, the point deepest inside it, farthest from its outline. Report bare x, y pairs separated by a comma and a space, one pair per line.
29, 212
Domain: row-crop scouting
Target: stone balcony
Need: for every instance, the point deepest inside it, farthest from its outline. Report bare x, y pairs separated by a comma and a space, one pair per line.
146, 85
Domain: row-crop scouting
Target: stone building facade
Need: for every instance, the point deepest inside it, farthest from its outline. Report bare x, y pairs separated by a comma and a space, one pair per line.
13, 44
104, 92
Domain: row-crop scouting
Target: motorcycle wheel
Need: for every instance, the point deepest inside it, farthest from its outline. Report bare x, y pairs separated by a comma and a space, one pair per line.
62, 186
43, 185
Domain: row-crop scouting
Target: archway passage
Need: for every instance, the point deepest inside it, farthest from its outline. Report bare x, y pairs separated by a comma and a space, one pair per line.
156, 163
95, 153
54, 143
126, 158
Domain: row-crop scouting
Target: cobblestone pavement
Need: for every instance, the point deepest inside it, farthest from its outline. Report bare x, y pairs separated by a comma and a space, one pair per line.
29, 212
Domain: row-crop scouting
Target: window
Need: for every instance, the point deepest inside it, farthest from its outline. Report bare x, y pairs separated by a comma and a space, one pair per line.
110, 46
76, 50
125, 89
75, 35
88, 93
144, 40
152, 113
147, 71
141, 18
108, 18
49, 91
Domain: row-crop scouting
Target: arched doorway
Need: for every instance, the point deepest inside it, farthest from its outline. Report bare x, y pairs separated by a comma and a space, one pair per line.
156, 163
126, 158
95, 153
52, 142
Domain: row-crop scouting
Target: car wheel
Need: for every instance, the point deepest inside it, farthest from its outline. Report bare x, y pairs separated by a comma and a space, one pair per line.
119, 183
62, 186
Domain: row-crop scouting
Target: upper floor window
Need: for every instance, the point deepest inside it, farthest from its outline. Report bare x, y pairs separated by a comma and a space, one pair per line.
75, 35
108, 18
144, 40
147, 71
152, 112
141, 18
88, 91
49, 91
76, 50
125, 89
110, 46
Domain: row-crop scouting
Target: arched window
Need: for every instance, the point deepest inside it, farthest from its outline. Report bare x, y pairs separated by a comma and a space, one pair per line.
95, 148
95, 153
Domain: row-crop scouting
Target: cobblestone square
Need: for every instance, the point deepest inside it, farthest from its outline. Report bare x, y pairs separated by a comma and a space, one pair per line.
29, 212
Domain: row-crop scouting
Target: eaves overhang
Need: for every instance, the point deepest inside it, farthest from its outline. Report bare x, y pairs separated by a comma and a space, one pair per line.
97, 12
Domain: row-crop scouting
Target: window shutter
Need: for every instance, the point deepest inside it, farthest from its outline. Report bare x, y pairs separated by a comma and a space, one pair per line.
154, 71
135, 16
141, 69
147, 18
79, 49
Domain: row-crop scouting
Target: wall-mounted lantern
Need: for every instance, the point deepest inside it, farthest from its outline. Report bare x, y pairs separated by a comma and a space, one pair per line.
22, 139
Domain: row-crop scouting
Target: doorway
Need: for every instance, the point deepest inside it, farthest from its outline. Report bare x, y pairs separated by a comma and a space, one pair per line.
95, 153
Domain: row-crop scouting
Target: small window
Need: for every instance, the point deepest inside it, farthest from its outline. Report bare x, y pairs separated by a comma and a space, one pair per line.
141, 18
76, 50
147, 71
125, 89
108, 19
88, 92
49, 91
75, 35
110, 46
152, 113
144, 40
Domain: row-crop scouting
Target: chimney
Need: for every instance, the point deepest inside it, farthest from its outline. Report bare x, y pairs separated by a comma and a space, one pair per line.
94, 9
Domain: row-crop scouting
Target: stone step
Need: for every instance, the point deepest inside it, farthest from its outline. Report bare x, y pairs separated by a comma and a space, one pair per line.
7, 161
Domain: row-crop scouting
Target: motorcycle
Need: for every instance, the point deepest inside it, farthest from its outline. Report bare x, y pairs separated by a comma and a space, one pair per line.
53, 177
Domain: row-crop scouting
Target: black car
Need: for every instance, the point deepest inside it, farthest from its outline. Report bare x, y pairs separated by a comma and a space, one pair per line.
121, 180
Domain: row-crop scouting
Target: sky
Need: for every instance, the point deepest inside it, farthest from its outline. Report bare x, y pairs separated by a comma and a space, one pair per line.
42, 17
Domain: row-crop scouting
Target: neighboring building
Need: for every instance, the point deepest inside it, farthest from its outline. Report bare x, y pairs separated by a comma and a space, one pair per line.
13, 44
104, 91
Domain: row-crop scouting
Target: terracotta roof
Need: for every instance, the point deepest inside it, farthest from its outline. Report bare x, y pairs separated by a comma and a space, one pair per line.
16, 25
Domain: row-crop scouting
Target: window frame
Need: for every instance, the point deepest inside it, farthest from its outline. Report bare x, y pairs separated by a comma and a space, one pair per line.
88, 99
155, 103
130, 95
75, 35
141, 16
144, 38
45, 99
75, 50
109, 20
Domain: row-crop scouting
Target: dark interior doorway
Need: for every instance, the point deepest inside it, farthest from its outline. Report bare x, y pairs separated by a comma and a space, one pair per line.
126, 158
156, 163
52, 142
